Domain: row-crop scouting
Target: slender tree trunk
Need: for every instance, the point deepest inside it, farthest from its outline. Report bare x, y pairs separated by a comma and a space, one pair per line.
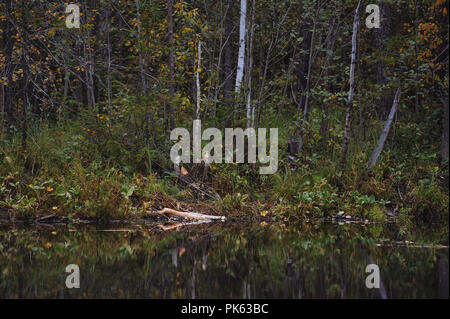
197, 78
89, 65
2, 97
228, 83
302, 77
25, 78
348, 113
144, 82
25, 103
217, 77
444, 148
66, 84
241, 55
171, 123
2, 110
86, 75
250, 109
308, 89
417, 62
8, 109
91, 70
108, 48
325, 125
376, 153
360, 107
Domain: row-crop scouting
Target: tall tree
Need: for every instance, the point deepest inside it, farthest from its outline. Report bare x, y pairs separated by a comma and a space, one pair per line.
25, 74
307, 88
143, 78
8, 109
2, 89
228, 50
250, 41
303, 65
241, 54
348, 113
171, 120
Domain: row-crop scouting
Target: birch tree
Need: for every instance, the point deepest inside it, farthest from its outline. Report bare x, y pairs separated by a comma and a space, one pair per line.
348, 113
241, 54
376, 153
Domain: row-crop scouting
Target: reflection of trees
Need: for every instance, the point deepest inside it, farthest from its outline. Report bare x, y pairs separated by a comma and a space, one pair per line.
219, 261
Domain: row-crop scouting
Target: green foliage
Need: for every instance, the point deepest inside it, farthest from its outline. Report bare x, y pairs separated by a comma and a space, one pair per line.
108, 158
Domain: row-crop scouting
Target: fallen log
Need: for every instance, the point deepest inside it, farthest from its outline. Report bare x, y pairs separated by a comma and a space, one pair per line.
191, 215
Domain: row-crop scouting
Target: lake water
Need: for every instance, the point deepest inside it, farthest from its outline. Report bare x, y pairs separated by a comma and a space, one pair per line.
221, 260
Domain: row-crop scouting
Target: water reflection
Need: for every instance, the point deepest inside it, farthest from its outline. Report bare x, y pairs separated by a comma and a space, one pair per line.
219, 261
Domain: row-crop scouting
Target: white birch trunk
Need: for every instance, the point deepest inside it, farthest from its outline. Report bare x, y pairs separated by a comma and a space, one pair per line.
241, 56
348, 115
376, 153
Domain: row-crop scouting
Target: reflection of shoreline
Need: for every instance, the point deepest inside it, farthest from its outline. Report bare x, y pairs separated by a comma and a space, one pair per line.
142, 261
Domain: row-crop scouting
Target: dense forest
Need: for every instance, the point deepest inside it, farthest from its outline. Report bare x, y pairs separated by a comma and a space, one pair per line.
361, 107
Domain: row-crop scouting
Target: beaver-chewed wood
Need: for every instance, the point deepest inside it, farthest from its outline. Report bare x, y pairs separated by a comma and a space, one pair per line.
191, 215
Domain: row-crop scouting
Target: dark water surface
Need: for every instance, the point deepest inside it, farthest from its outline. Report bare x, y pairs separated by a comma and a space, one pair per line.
224, 260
